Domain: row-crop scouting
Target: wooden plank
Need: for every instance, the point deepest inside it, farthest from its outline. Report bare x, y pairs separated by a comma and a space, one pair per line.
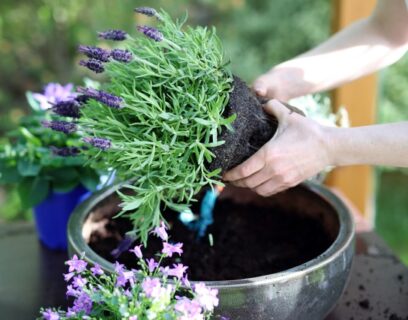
359, 97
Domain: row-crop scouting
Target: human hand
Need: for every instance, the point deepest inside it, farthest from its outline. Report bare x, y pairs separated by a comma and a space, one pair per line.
297, 151
283, 83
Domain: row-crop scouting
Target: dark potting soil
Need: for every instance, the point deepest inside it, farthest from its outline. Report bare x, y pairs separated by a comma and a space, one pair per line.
248, 241
252, 128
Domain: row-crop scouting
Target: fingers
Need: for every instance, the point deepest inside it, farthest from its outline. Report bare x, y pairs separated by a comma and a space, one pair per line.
276, 108
254, 180
260, 86
247, 168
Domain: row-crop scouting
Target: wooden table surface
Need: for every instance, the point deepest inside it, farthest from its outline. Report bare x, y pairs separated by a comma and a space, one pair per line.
31, 277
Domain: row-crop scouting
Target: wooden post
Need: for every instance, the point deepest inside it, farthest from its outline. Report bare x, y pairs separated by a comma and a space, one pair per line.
359, 97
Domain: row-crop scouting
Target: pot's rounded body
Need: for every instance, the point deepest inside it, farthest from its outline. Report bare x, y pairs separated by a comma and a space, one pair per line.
307, 292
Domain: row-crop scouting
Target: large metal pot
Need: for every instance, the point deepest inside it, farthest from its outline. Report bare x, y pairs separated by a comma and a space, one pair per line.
307, 291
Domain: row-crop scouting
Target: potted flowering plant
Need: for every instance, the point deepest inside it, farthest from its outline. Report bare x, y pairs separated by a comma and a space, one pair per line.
153, 291
42, 165
169, 121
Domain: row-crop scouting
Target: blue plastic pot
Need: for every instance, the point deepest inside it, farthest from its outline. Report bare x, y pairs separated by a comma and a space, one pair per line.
51, 216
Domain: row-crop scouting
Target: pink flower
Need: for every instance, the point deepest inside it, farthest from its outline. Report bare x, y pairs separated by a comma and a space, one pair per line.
151, 264
54, 93
207, 297
97, 270
177, 271
48, 314
161, 232
151, 287
169, 249
137, 251
76, 264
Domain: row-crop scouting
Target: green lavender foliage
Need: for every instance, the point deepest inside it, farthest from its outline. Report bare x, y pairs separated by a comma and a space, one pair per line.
174, 94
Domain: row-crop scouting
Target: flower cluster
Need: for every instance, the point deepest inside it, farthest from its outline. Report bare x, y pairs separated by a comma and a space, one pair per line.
153, 291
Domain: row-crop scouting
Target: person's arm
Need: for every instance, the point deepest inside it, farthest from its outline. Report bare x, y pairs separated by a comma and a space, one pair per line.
364, 47
302, 148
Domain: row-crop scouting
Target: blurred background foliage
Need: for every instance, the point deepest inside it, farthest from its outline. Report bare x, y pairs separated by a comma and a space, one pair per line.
39, 38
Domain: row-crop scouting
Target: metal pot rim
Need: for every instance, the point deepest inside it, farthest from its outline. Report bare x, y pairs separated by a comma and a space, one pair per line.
344, 239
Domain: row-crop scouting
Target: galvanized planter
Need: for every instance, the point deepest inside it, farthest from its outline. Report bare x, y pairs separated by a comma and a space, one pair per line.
308, 291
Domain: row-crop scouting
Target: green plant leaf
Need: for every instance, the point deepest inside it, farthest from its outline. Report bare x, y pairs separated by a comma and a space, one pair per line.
28, 168
34, 104
8, 174
33, 191
89, 178
64, 186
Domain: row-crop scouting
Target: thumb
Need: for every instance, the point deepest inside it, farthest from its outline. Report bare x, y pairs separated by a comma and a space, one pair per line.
260, 86
277, 109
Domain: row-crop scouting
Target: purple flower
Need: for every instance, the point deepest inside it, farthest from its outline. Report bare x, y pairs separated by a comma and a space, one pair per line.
122, 55
116, 35
207, 297
72, 292
67, 108
79, 282
147, 11
65, 151
68, 276
70, 313
76, 264
119, 268
95, 53
151, 264
177, 271
151, 287
190, 309
93, 65
151, 32
161, 232
54, 93
103, 97
137, 251
133, 318
97, 270
169, 249
124, 277
82, 99
83, 303
100, 143
48, 314
62, 126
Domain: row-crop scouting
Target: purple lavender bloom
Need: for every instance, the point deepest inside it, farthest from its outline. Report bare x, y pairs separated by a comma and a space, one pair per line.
62, 126
103, 144
76, 264
116, 35
103, 97
95, 53
151, 32
122, 55
54, 93
67, 108
147, 11
93, 65
169, 249
161, 231
48, 314
83, 303
137, 251
82, 99
97, 270
65, 151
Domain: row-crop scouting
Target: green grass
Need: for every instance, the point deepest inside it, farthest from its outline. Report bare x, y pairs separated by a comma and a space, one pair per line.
392, 211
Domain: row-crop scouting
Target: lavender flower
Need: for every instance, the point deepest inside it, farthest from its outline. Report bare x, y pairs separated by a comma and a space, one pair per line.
48, 314
103, 144
169, 249
97, 270
82, 99
103, 97
151, 32
161, 232
83, 303
76, 264
151, 264
95, 53
93, 64
62, 126
65, 151
147, 11
54, 93
116, 35
67, 108
177, 271
137, 251
122, 55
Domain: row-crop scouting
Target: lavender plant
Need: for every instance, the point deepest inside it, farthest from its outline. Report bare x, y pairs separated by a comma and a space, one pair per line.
159, 115
154, 291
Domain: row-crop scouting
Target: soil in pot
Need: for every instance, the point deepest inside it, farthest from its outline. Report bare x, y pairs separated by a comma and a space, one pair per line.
249, 240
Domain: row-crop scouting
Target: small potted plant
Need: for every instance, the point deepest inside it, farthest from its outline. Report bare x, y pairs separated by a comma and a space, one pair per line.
152, 291
43, 164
